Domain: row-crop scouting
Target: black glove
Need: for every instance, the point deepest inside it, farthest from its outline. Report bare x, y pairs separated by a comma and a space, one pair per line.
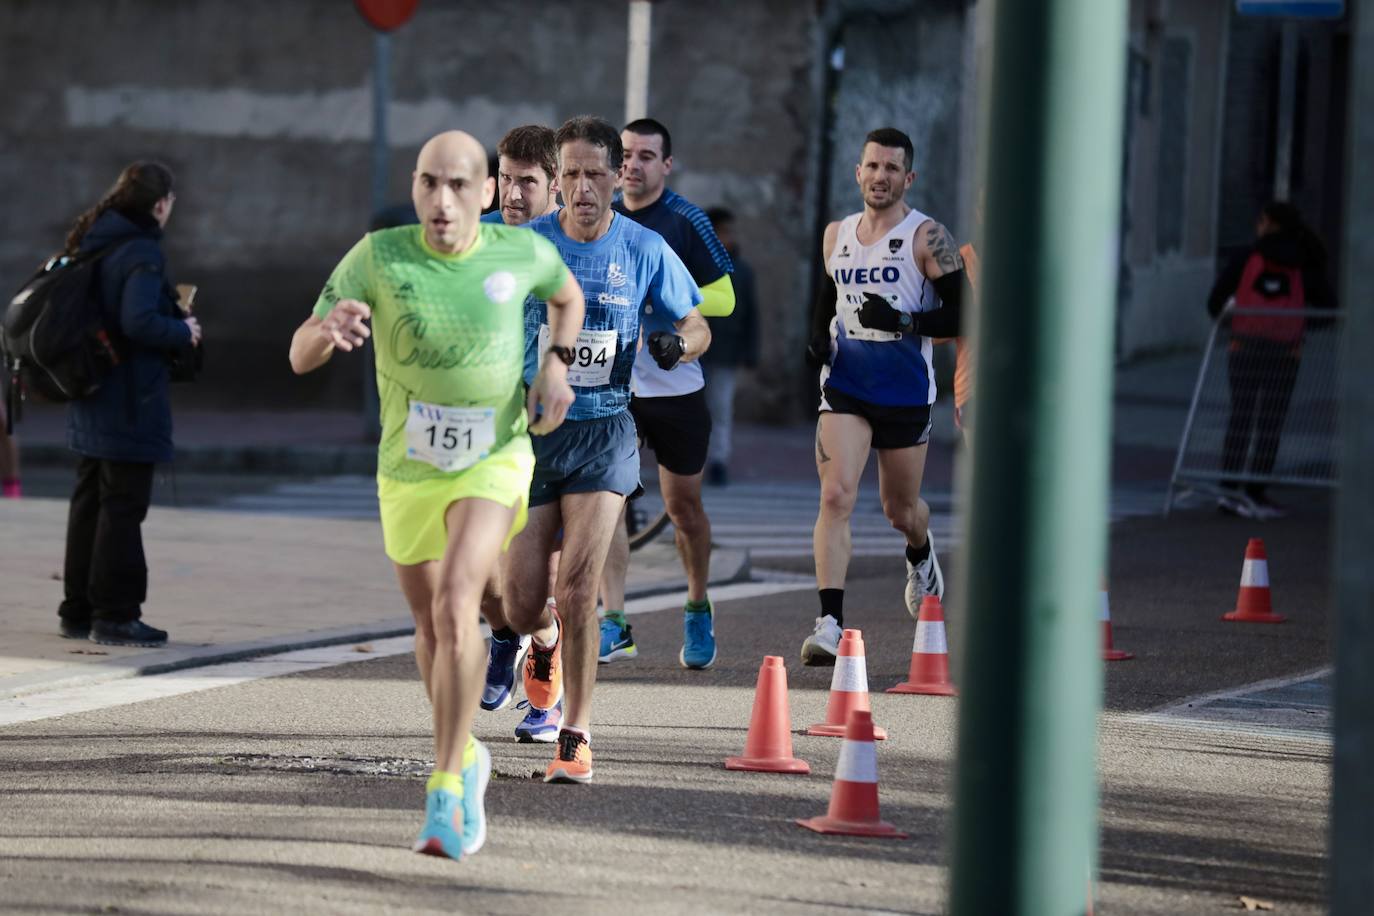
666, 349
818, 351
878, 314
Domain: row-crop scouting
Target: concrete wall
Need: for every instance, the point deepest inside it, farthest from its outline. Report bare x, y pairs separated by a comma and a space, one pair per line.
1247, 181
1174, 135
1201, 139
263, 110
903, 70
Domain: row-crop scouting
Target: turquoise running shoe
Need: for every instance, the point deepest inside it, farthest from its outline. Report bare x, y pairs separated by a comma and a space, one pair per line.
616, 642
442, 834
475, 779
698, 638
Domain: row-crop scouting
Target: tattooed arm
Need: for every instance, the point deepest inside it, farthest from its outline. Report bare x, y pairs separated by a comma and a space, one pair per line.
937, 254
936, 251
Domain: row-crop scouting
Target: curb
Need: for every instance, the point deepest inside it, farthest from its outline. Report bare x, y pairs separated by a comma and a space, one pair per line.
165, 660
241, 459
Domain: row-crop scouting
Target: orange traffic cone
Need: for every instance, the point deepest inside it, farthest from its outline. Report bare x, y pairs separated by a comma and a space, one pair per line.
929, 672
854, 797
1252, 603
848, 689
768, 749
1109, 653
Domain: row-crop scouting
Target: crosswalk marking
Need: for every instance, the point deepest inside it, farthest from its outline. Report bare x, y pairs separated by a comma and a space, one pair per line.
770, 519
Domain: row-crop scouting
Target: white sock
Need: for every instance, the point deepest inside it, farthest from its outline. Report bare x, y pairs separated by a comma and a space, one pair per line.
542, 645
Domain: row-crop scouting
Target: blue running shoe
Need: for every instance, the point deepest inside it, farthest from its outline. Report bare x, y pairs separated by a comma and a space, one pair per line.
616, 641
475, 779
503, 660
698, 638
539, 725
439, 837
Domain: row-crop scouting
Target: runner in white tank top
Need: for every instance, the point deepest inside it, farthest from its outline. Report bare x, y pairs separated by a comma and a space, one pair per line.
894, 279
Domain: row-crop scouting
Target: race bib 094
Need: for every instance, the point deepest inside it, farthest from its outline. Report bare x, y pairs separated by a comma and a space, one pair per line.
593, 356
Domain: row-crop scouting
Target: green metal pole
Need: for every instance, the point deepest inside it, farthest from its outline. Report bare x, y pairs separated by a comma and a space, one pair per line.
1025, 831
1352, 794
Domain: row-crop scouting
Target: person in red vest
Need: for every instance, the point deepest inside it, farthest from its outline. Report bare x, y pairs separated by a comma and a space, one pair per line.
1285, 269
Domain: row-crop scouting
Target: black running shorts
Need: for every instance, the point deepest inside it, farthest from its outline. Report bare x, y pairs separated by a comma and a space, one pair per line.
893, 427
678, 429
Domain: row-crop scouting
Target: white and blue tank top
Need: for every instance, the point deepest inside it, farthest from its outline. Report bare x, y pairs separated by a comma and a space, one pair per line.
879, 367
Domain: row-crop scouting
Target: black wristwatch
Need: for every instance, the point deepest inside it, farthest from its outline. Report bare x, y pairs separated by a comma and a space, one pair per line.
564, 353
904, 320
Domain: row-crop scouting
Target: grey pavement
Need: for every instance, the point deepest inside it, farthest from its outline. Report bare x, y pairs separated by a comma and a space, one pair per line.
302, 792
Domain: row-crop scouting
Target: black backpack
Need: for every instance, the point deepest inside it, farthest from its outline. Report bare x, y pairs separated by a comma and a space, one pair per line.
53, 338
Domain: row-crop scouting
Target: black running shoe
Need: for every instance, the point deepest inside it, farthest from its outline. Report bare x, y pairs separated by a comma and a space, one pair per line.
71, 629
128, 633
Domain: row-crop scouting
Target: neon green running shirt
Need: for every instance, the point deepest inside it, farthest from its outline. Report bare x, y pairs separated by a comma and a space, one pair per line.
448, 329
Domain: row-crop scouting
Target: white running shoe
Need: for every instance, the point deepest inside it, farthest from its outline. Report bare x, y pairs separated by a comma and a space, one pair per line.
925, 578
823, 644
1238, 504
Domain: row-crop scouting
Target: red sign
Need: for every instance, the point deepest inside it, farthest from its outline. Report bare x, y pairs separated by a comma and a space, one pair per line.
385, 15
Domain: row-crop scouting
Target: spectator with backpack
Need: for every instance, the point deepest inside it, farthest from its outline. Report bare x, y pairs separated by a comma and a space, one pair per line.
1285, 269
124, 427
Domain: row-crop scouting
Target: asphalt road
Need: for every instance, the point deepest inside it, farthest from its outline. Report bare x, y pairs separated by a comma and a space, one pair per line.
301, 793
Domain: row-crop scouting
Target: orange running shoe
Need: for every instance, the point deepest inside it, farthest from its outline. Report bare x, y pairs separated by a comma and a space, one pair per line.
574, 760
544, 671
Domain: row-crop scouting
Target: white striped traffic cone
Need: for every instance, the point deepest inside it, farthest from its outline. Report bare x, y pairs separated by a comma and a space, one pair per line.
1252, 603
854, 797
848, 689
929, 672
1109, 652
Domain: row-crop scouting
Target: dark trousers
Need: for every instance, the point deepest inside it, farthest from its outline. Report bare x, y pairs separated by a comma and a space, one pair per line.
1262, 375
106, 576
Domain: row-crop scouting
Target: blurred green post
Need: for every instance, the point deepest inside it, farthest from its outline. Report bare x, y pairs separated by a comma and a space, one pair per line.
1352, 596
1025, 831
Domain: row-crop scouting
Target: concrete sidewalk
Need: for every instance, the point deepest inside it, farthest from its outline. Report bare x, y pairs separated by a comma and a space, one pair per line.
228, 586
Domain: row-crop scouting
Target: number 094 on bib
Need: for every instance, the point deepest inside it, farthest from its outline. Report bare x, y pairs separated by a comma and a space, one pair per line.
593, 356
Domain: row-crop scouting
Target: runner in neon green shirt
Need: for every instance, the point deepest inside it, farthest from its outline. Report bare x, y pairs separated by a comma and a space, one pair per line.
446, 300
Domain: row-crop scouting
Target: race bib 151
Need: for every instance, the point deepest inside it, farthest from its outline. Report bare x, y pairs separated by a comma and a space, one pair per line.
450, 438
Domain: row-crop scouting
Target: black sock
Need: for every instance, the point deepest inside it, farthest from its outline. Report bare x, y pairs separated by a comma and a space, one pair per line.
832, 604
505, 634
917, 555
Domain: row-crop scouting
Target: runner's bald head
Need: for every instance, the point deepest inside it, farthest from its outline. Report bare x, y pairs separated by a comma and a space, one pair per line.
453, 150
450, 190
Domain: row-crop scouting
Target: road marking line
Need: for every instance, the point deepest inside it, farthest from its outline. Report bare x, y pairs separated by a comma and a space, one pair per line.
1183, 706
65, 701
1240, 710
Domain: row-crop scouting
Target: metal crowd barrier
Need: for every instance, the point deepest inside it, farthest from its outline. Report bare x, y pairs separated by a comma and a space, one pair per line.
1265, 405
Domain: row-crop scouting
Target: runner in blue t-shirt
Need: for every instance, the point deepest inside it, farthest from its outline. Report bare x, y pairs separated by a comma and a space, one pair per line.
526, 179
527, 188
583, 474
670, 409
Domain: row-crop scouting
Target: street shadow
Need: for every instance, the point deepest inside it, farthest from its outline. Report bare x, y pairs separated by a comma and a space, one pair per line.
750, 814
1215, 846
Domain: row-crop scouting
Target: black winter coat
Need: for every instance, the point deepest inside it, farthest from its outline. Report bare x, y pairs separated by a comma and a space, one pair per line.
129, 418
